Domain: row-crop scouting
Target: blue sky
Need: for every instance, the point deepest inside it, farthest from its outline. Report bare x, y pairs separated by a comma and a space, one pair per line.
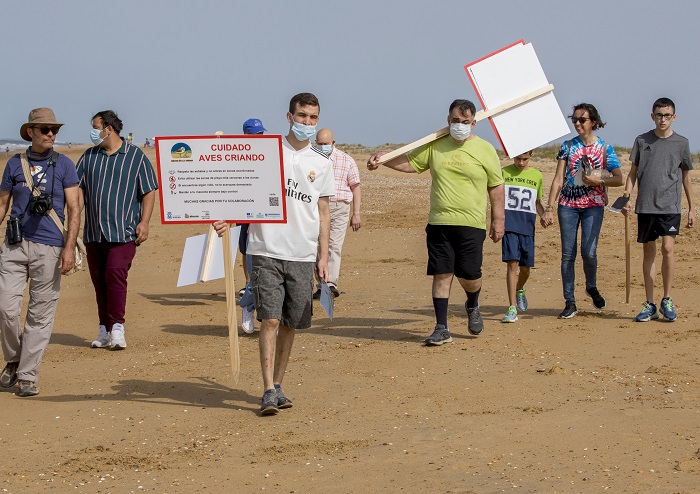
384, 71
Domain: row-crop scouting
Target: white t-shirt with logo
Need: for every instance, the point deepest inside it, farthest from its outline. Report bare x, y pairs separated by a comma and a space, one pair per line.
308, 175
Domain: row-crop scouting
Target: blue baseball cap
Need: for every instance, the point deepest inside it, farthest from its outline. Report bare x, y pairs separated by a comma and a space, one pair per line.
253, 126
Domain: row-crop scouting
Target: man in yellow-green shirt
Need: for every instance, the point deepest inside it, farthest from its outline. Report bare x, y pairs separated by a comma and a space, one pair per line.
465, 169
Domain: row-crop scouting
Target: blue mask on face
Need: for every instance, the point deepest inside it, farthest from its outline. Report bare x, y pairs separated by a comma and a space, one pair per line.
95, 137
325, 148
303, 132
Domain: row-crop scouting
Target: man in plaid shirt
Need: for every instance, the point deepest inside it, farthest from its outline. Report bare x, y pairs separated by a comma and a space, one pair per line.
347, 190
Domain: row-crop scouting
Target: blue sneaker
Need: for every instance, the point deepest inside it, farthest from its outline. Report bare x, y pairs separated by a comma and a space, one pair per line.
511, 315
668, 310
521, 300
647, 313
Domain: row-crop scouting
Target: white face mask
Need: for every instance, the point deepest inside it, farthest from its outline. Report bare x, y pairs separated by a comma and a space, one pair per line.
303, 132
460, 131
95, 137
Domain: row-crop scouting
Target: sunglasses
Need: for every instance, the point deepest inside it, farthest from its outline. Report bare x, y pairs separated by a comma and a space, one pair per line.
581, 120
45, 130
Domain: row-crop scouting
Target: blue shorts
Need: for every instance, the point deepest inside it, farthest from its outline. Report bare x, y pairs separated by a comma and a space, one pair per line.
517, 247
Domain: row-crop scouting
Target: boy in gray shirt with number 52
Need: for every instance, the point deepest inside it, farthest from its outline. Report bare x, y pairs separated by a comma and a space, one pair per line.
660, 163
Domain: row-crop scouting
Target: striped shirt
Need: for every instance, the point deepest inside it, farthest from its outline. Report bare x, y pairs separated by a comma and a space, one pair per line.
346, 175
114, 187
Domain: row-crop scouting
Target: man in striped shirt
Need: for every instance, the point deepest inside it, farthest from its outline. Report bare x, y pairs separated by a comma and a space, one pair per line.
118, 184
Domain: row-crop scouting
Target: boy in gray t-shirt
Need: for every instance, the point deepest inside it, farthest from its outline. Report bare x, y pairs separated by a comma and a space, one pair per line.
660, 163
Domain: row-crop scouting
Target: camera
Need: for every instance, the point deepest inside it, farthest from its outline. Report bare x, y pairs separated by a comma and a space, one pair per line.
14, 231
41, 204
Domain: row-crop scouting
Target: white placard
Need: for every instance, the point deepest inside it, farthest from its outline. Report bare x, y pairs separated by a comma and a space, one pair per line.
506, 76
233, 178
193, 259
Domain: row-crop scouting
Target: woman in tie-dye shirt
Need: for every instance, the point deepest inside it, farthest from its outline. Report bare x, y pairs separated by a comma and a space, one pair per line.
581, 200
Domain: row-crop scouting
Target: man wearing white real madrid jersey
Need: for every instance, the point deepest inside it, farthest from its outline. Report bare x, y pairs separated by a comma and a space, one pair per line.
284, 255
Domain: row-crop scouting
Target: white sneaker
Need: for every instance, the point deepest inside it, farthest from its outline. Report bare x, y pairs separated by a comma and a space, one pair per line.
104, 339
248, 320
118, 341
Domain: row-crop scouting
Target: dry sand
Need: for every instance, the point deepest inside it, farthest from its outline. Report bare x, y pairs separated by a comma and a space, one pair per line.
593, 404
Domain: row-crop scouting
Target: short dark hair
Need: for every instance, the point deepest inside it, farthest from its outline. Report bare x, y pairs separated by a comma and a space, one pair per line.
303, 99
464, 105
592, 114
109, 119
661, 102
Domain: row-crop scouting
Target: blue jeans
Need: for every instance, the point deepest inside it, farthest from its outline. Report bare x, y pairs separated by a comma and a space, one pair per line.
590, 220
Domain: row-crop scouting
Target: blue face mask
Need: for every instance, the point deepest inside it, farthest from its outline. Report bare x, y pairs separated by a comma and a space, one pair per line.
303, 132
325, 148
95, 137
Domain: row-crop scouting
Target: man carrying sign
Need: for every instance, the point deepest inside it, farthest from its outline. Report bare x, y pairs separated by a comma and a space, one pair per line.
464, 168
284, 254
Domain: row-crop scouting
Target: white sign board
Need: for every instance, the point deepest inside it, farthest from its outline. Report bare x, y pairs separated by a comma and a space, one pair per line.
506, 76
192, 268
233, 178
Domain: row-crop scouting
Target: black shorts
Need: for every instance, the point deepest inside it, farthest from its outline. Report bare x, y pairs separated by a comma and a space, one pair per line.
455, 249
652, 226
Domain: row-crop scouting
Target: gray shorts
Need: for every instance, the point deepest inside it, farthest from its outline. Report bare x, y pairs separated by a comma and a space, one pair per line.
283, 290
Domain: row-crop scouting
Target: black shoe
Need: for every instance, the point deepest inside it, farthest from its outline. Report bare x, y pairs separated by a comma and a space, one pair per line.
269, 403
440, 336
598, 299
476, 324
282, 401
317, 294
8, 378
569, 311
334, 291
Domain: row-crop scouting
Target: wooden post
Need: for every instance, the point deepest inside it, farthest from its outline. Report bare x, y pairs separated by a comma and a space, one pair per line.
480, 115
628, 270
231, 306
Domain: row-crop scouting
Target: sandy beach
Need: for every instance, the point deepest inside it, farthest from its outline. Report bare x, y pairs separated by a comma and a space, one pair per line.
597, 403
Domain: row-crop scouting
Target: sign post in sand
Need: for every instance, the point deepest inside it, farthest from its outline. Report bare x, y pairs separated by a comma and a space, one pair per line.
237, 178
514, 91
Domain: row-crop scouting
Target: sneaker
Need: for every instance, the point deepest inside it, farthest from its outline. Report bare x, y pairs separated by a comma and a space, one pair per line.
334, 291
104, 339
521, 300
269, 403
118, 341
241, 292
8, 378
476, 324
317, 294
668, 310
440, 336
282, 401
647, 313
27, 388
598, 299
511, 315
569, 311
248, 321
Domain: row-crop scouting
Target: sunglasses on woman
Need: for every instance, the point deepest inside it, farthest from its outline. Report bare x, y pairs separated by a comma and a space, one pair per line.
581, 120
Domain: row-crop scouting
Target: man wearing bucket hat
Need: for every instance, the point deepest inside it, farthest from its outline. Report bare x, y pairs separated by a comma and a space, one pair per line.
35, 248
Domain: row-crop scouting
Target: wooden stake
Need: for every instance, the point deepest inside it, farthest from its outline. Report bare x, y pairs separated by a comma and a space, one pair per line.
628, 270
480, 115
208, 249
231, 306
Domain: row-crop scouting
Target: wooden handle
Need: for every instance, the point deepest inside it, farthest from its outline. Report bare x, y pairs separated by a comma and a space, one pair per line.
628, 270
231, 307
480, 115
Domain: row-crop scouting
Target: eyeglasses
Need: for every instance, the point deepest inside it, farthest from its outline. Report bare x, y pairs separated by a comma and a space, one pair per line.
581, 120
661, 116
46, 130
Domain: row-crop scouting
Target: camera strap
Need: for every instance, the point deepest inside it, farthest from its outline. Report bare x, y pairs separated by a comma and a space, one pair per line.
35, 190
